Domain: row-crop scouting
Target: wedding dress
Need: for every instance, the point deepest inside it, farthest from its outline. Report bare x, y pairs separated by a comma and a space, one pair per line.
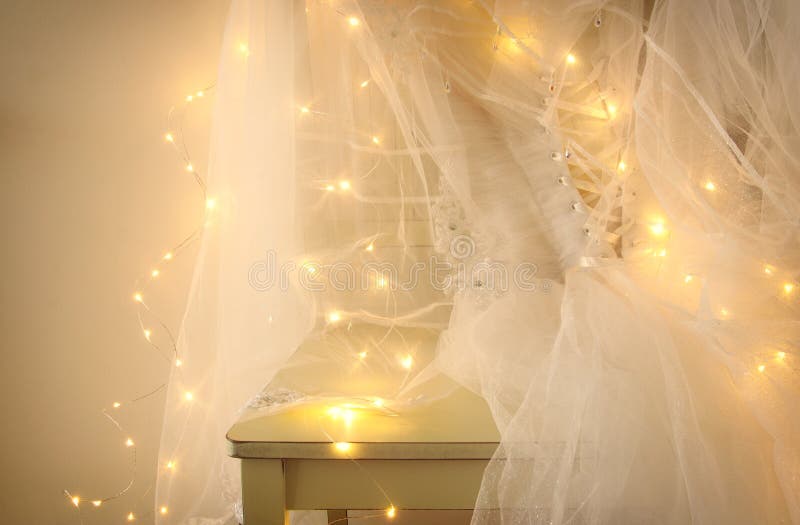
608, 192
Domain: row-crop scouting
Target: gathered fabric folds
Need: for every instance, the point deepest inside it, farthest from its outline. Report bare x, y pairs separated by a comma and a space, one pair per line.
586, 212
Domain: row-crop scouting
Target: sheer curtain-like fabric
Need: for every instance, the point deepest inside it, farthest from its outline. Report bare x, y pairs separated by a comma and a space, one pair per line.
586, 212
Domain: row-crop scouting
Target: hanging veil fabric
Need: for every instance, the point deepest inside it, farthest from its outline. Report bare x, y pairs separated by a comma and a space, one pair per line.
586, 212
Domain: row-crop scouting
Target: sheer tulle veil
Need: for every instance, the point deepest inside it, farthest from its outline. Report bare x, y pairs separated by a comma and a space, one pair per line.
611, 190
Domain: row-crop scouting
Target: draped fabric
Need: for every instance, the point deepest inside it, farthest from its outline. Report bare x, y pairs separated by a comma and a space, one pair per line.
584, 211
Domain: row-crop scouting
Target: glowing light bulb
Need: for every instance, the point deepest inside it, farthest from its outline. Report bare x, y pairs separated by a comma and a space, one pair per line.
688, 279
76, 500
348, 416
788, 288
304, 110
189, 98
168, 256
190, 168
407, 362
188, 396
330, 187
130, 517
199, 94
612, 110
129, 442
761, 368
378, 402
344, 184
116, 404
391, 512
365, 84
334, 412
163, 510
243, 49
155, 273
169, 138
178, 362
710, 186
768, 269
334, 317
376, 140
171, 465
370, 247
138, 297
97, 502
662, 253
571, 59
353, 21
380, 282
621, 166
781, 355
342, 446
211, 204
724, 312
362, 354
658, 229
310, 268
147, 334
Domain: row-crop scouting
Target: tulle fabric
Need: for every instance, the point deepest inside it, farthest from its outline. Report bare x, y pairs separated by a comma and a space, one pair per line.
630, 169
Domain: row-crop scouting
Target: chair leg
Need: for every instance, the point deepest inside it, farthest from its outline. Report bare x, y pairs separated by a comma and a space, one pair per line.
337, 517
263, 492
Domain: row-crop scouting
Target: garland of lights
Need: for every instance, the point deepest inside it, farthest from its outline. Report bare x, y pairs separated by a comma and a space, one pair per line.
345, 412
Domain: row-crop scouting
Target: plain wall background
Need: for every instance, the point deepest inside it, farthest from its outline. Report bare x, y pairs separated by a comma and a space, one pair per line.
91, 197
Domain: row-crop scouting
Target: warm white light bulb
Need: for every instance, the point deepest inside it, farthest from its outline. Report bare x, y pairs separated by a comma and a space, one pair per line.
612, 110
365, 83
378, 402
168, 256
768, 269
147, 334
189, 168
188, 396
163, 509
788, 288
169, 138
304, 109
344, 184
662, 253
199, 93
130, 517
97, 502
342, 446
658, 229
407, 362
334, 317
116, 404
710, 186
761, 368
571, 59
138, 297
376, 140
211, 204
155, 273
353, 21
370, 247
380, 282
171, 465
76, 500
688, 279
621, 166
243, 49
178, 362
330, 187
362, 354
391, 512
129, 442
781, 355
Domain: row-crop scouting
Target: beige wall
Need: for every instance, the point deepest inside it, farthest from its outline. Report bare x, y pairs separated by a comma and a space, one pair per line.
90, 197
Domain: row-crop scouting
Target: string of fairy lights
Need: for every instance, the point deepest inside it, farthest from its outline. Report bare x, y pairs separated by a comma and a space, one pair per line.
174, 136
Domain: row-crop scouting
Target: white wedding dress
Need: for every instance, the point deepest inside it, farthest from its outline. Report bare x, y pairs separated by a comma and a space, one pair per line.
611, 190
